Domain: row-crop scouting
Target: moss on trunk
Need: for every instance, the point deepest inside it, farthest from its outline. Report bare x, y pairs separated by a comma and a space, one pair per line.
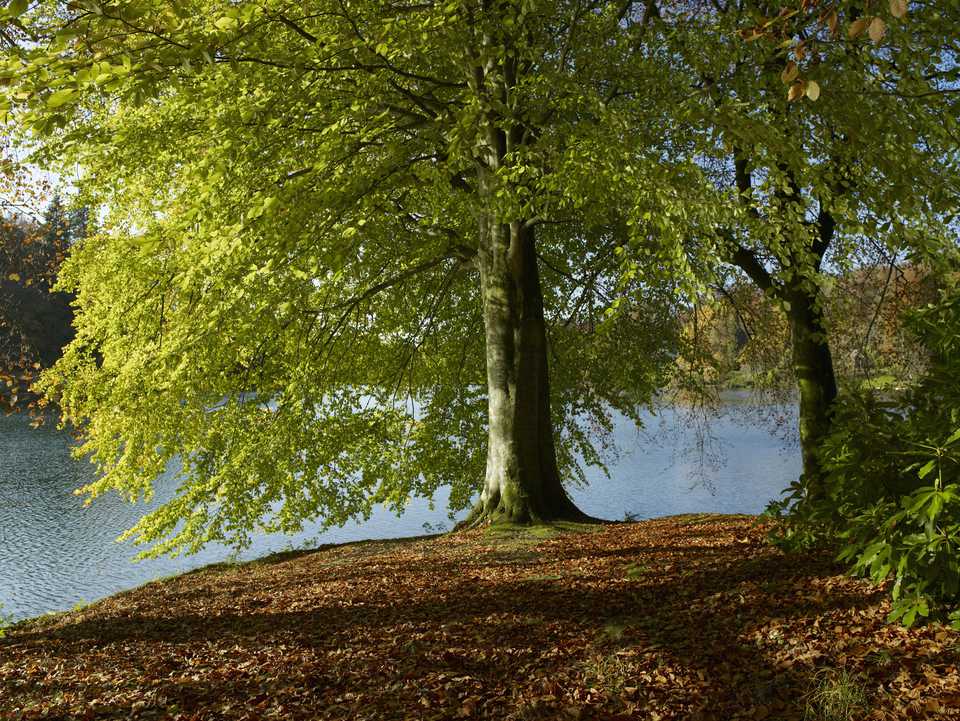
816, 382
522, 483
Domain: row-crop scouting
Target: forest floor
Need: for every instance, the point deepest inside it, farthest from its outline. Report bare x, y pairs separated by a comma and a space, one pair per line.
689, 617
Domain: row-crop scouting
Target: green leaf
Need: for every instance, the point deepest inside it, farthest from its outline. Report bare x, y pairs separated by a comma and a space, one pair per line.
16, 8
62, 97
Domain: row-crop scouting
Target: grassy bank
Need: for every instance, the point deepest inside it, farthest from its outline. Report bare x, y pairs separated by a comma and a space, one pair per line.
688, 617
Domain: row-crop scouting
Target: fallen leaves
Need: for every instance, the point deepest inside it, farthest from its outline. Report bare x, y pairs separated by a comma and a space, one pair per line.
680, 618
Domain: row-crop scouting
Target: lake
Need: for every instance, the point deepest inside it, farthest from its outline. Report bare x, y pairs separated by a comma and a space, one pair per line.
56, 553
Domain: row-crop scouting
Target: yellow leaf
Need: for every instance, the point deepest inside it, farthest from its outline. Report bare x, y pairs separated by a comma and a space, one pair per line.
62, 97
813, 90
15, 277
898, 8
878, 28
796, 90
857, 27
789, 73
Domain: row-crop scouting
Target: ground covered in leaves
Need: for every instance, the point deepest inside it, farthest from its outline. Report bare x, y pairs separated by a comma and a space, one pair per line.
690, 617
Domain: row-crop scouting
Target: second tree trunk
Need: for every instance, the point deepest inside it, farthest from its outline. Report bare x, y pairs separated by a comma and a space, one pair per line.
813, 366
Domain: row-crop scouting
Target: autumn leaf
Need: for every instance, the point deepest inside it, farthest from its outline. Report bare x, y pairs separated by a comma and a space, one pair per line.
857, 27
813, 90
789, 73
878, 28
833, 22
898, 8
796, 91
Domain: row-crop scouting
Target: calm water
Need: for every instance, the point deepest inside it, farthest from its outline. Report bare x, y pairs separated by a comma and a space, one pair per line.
54, 553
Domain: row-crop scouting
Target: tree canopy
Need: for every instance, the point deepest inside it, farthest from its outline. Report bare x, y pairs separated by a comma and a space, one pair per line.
354, 253
355, 231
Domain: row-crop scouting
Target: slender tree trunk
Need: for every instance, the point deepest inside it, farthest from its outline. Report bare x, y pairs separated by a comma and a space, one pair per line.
812, 361
813, 367
522, 483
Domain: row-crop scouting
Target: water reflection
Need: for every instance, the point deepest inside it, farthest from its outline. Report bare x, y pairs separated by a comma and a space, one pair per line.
55, 553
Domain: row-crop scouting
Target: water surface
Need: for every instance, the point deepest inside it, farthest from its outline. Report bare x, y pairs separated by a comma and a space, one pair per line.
55, 553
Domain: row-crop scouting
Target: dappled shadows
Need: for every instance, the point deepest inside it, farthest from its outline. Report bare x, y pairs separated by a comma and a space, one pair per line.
618, 622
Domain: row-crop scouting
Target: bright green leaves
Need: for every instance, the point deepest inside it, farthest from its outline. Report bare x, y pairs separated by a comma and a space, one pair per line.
62, 97
292, 204
15, 8
227, 23
264, 207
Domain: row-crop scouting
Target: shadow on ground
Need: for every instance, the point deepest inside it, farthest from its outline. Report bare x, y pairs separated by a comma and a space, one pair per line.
652, 620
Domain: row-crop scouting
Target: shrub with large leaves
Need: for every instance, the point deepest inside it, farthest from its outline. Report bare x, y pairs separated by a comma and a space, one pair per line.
893, 477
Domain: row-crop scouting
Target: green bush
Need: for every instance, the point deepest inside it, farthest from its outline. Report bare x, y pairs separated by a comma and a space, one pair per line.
912, 538
892, 479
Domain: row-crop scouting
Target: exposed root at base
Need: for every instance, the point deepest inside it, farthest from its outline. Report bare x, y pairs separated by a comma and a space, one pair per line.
479, 517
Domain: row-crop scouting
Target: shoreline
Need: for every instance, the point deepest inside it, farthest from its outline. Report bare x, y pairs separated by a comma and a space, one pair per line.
680, 617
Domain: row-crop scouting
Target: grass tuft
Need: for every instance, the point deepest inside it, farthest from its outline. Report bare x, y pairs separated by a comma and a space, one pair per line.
835, 695
6, 621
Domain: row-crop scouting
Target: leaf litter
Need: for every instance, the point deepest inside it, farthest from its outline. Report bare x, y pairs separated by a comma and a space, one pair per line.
688, 617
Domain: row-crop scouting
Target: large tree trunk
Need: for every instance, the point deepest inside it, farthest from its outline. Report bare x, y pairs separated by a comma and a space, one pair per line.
813, 367
522, 483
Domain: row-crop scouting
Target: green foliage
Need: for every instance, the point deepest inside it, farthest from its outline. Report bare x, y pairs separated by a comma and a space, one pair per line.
893, 479
285, 299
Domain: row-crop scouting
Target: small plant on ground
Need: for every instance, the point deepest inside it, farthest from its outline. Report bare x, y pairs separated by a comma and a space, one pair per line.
608, 673
835, 695
6, 620
636, 571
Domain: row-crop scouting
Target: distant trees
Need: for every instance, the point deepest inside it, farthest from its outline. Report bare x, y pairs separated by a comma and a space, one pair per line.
35, 321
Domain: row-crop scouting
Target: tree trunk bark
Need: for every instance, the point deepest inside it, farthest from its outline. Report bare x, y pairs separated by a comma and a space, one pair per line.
816, 381
522, 483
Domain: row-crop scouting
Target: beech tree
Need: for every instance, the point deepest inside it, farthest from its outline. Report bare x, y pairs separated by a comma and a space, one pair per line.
351, 254
827, 135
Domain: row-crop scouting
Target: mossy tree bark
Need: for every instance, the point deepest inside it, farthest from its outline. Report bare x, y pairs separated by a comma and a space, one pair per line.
522, 483
816, 382
810, 349
811, 360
